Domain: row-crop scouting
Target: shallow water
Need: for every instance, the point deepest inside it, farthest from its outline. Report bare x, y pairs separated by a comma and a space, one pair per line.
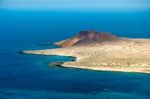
30, 77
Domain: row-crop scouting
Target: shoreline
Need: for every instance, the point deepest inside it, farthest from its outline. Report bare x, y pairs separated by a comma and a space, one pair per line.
95, 68
127, 55
103, 69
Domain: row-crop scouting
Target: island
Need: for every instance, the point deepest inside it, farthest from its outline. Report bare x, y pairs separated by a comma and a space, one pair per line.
102, 51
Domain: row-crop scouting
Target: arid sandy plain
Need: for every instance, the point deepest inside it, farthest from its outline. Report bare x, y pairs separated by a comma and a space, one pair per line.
125, 55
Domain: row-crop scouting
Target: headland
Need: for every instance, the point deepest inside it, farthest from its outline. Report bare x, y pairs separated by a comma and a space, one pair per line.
103, 51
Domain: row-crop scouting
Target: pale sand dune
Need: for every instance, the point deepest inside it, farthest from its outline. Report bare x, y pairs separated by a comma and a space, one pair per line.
125, 55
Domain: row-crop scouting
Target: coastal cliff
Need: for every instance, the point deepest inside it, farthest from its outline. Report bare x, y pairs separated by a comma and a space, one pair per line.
103, 51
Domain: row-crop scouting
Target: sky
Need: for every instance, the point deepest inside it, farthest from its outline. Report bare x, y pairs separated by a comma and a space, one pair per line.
76, 4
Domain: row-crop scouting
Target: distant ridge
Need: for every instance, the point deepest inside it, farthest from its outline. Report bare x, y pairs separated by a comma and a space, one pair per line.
87, 37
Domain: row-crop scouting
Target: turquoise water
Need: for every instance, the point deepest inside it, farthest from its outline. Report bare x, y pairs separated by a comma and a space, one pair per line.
30, 77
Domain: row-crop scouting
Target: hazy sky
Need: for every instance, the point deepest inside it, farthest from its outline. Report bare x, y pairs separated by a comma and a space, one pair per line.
77, 4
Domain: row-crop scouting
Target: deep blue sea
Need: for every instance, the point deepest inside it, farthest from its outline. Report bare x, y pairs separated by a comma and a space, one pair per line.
30, 77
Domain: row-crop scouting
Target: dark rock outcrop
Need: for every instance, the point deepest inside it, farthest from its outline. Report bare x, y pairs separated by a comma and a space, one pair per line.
55, 64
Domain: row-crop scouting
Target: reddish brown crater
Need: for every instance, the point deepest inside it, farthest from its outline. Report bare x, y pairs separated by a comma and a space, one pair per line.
87, 37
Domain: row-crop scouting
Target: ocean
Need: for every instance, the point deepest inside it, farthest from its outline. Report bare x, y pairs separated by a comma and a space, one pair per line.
30, 77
